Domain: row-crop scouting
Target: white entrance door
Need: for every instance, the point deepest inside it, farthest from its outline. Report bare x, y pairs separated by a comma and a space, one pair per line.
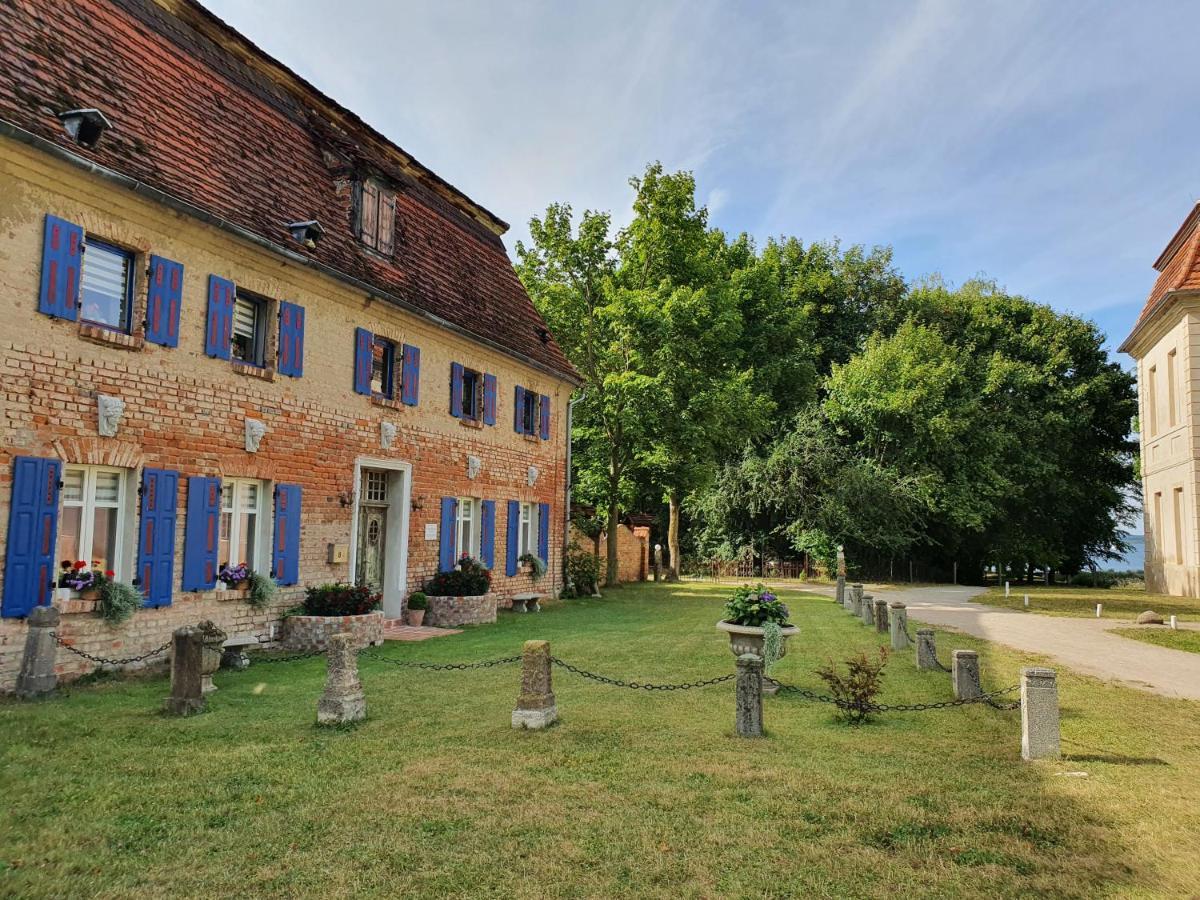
379, 531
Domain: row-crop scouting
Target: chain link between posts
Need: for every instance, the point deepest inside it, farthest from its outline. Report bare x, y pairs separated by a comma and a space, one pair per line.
102, 661
895, 707
640, 686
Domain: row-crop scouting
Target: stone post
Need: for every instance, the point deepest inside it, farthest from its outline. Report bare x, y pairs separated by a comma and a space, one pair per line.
926, 650
854, 602
214, 649
657, 561
964, 672
37, 677
187, 680
536, 708
749, 719
1040, 738
343, 701
881, 616
867, 611
898, 623
840, 596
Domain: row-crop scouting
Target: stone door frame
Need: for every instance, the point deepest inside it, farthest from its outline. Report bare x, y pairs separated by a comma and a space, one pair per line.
395, 561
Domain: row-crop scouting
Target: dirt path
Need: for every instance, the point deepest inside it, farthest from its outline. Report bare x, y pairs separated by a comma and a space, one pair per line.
1082, 644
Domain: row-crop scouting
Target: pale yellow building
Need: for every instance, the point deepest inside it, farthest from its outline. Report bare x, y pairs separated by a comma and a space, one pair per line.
1166, 344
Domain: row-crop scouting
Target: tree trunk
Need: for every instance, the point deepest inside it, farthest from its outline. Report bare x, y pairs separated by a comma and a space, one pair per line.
673, 536
614, 516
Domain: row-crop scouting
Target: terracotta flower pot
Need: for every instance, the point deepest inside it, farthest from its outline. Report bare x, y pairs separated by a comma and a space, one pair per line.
414, 617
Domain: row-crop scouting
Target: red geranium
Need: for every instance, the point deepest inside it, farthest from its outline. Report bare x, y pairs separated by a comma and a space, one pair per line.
80, 564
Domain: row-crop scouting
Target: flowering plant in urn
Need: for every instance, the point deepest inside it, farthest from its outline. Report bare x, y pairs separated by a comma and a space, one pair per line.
749, 614
234, 576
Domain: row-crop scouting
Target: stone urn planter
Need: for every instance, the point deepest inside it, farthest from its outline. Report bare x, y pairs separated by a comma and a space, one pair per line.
450, 612
210, 659
414, 617
749, 638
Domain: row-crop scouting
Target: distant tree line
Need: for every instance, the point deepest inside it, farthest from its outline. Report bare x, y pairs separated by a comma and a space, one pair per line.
782, 400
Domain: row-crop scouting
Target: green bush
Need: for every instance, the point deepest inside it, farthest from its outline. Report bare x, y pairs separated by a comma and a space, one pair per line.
856, 690
755, 607
417, 600
583, 571
1094, 579
470, 578
340, 600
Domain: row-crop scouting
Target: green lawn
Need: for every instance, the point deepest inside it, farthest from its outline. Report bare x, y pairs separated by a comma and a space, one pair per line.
1164, 637
634, 793
1118, 603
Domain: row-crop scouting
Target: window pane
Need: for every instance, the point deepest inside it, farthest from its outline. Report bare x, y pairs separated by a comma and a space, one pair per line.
227, 497
249, 496
104, 286
470, 403
68, 533
223, 543
247, 524
108, 488
383, 354
247, 325
104, 538
73, 486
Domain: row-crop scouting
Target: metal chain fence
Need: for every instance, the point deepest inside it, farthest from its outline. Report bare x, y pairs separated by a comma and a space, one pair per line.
893, 707
103, 661
637, 685
440, 667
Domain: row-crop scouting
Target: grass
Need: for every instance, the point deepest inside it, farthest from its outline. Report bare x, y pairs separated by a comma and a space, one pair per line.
634, 793
1118, 603
1164, 637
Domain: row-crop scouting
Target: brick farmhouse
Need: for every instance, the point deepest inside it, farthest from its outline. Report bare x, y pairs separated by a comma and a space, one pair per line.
240, 325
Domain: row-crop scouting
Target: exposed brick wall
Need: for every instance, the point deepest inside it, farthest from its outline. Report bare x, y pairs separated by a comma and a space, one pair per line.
186, 411
450, 612
309, 634
633, 551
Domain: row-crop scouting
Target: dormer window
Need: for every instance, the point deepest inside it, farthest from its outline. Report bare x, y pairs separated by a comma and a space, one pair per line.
376, 216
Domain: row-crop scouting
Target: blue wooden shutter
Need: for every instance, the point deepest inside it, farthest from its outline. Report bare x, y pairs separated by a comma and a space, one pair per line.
201, 533
364, 344
447, 557
163, 301
410, 374
544, 532
513, 528
291, 339
218, 330
544, 407
285, 550
519, 410
487, 533
62, 257
156, 535
29, 568
489, 399
456, 389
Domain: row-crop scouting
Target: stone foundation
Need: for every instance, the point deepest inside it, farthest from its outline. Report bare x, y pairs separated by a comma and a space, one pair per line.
308, 634
450, 612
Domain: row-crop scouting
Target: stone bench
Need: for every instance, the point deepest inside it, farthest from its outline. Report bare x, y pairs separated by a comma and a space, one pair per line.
527, 602
233, 655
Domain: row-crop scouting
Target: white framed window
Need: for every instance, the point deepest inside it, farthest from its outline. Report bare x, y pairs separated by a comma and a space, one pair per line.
527, 533
467, 528
249, 340
106, 286
92, 523
241, 521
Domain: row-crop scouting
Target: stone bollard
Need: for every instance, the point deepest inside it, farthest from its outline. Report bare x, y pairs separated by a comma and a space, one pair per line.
898, 623
214, 649
854, 603
881, 616
749, 718
187, 679
964, 672
536, 708
343, 701
839, 596
1040, 738
926, 650
37, 677
867, 610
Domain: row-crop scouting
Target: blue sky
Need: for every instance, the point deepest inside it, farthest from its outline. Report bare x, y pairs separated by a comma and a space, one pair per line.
1048, 145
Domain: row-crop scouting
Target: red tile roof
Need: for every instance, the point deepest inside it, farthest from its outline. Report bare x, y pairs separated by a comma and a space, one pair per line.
201, 114
1179, 270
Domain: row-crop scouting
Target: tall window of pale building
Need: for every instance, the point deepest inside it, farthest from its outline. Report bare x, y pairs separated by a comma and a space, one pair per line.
1151, 402
1172, 397
1160, 537
1177, 514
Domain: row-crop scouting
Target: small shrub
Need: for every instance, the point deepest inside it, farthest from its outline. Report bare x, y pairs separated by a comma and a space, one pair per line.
262, 589
1103, 580
856, 690
583, 570
539, 567
470, 578
340, 600
417, 600
755, 607
118, 601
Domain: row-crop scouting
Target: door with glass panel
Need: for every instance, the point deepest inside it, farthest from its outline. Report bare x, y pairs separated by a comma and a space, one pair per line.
372, 529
